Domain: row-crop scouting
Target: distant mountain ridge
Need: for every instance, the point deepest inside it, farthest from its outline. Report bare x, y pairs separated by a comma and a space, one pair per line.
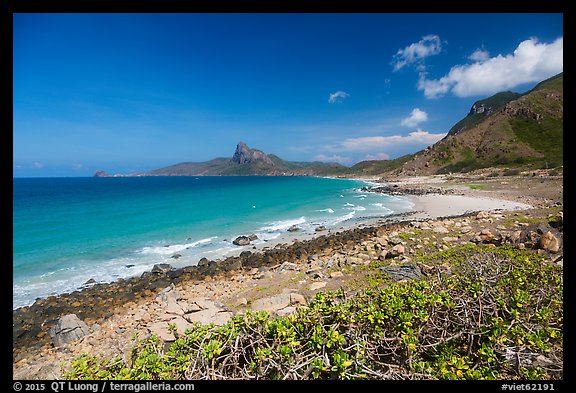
244, 162
505, 130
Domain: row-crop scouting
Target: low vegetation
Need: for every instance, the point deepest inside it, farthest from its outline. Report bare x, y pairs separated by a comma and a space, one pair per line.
483, 312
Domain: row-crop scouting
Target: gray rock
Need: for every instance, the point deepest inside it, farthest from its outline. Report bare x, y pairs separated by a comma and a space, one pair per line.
68, 328
206, 311
241, 241
272, 304
280, 305
162, 331
407, 271
168, 294
317, 285
286, 311
297, 299
161, 268
440, 229
449, 239
288, 266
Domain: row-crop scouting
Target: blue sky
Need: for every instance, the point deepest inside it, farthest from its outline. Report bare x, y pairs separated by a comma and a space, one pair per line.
133, 92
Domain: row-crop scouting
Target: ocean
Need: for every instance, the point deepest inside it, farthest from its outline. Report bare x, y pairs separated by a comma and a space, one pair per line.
67, 231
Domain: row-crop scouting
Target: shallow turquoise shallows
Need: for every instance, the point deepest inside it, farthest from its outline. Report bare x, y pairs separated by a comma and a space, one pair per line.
70, 230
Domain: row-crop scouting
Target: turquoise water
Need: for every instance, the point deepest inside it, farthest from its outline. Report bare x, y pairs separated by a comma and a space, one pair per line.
69, 230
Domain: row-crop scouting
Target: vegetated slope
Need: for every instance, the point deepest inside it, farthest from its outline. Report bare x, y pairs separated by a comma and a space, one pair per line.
246, 162
375, 167
526, 131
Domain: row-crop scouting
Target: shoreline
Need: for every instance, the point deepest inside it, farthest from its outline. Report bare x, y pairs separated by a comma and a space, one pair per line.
236, 277
428, 205
215, 243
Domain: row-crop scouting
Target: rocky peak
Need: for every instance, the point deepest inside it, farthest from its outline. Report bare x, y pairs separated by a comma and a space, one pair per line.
244, 155
480, 108
101, 174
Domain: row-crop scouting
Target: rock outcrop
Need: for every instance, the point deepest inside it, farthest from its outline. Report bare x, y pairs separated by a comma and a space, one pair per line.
68, 328
245, 155
102, 174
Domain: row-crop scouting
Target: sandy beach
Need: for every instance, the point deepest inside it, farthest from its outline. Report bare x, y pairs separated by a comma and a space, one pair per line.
434, 206
464, 207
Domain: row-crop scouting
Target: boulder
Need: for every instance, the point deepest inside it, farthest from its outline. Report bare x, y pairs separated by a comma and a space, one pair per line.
297, 299
241, 241
317, 285
557, 221
395, 251
288, 266
549, 242
162, 329
407, 271
482, 215
206, 311
161, 268
280, 305
286, 311
168, 294
68, 328
272, 304
440, 229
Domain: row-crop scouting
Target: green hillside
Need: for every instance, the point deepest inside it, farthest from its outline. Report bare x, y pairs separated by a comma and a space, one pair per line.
526, 131
494, 103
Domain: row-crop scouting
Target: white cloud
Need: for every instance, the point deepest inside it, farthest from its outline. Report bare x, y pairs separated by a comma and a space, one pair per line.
38, 165
377, 156
429, 45
372, 143
416, 117
531, 61
376, 147
332, 158
339, 96
479, 55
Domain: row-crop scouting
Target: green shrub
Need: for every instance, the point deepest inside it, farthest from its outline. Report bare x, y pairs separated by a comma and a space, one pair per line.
487, 313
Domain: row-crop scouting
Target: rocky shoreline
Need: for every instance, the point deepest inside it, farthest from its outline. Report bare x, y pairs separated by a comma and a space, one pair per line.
278, 279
